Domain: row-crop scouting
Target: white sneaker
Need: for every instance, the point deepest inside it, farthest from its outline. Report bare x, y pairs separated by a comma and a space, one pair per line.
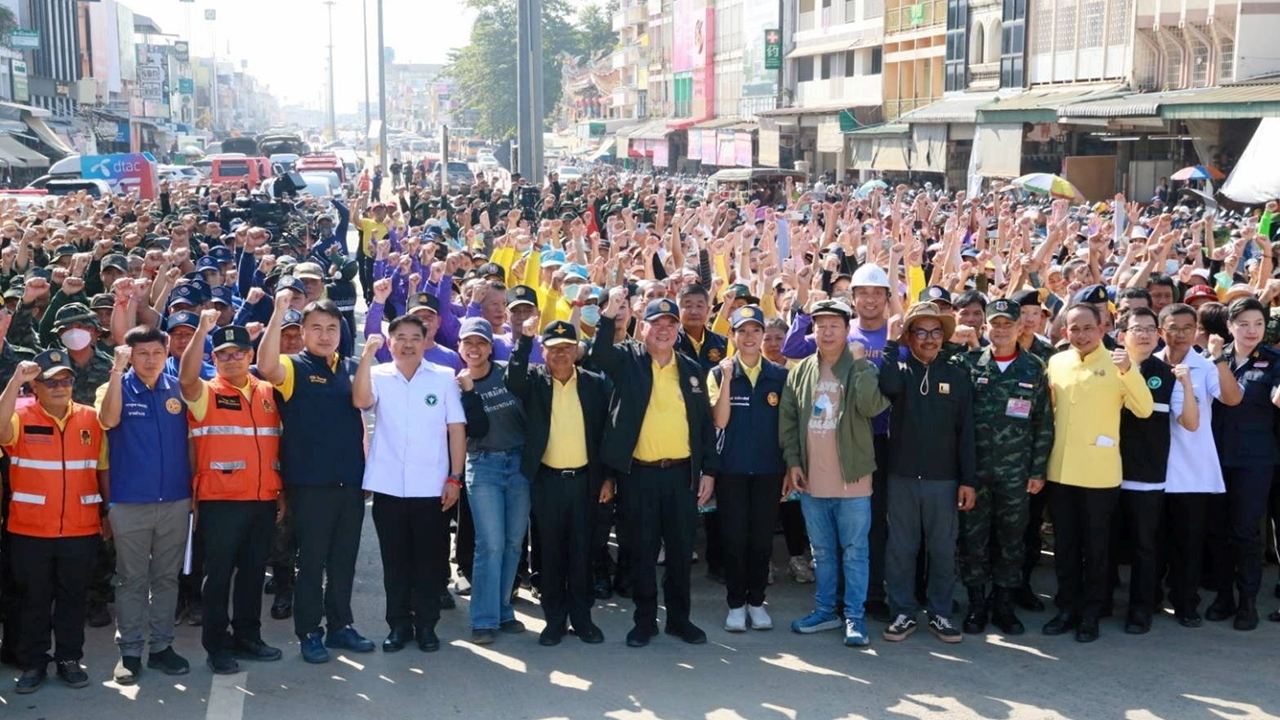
800, 570
760, 619
736, 622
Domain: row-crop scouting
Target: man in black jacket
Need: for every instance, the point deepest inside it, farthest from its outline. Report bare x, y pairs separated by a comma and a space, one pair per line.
566, 410
661, 441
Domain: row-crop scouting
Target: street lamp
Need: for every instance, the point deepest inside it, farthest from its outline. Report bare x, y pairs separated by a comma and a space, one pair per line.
333, 113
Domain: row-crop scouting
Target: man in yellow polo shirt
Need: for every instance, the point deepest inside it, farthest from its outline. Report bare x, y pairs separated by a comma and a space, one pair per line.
566, 411
372, 229
661, 442
1089, 386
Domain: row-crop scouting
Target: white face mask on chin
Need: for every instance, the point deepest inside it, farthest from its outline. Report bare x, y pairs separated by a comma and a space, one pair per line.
76, 339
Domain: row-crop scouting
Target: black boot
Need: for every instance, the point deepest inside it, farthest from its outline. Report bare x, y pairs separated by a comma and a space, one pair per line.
1223, 607
1027, 598
1247, 614
1002, 615
282, 608
976, 621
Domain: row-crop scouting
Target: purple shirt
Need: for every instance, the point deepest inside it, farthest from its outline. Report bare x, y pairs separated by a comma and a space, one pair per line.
437, 353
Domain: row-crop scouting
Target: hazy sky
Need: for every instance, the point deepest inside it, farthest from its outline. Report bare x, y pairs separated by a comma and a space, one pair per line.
284, 41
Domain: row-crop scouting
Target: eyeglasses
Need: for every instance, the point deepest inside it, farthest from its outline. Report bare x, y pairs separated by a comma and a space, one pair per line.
1180, 330
1142, 329
64, 382
229, 355
934, 334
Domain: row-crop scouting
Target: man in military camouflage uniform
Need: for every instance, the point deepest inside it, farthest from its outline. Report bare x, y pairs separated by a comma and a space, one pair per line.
1013, 419
77, 331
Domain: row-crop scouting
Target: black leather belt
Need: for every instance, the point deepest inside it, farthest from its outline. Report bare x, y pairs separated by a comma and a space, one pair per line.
664, 463
570, 472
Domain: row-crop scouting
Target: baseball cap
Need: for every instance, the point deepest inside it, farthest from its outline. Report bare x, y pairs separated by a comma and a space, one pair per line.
1004, 308
222, 254
74, 314
231, 336
476, 327
552, 258
741, 291
102, 301
222, 294
290, 282
1199, 292
559, 333
661, 307
746, 314
521, 295
208, 262
183, 318
52, 362
831, 307
308, 271
425, 300
184, 295
574, 271
1026, 298
292, 318
1093, 294
116, 262
493, 269
935, 294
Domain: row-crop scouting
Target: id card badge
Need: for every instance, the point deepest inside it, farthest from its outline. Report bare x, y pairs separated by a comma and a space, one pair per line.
1018, 408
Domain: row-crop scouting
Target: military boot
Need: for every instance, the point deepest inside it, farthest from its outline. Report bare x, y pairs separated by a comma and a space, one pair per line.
976, 621
282, 608
1002, 615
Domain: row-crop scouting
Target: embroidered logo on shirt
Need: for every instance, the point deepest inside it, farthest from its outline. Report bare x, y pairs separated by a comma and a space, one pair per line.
318, 379
713, 354
1154, 383
983, 381
944, 388
431, 400
227, 402
266, 405
85, 437
173, 405
772, 399
693, 382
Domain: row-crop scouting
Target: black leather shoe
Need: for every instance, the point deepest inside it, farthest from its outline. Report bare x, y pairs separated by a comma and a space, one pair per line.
269, 587
1192, 619
71, 674
1087, 630
282, 608
195, 613
1246, 615
30, 681
588, 633
256, 650
427, 640
602, 588
877, 610
98, 615
1138, 623
1061, 624
622, 586
223, 664
640, 636
687, 632
551, 636
1222, 608
397, 639
1027, 599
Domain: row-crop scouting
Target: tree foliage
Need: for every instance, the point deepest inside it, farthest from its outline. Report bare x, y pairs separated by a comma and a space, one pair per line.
8, 23
484, 70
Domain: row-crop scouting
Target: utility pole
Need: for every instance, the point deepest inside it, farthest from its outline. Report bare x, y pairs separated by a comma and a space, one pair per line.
211, 16
529, 88
382, 93
333, 111
368, 110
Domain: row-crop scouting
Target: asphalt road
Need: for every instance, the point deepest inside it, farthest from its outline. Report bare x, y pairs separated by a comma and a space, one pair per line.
1170, 674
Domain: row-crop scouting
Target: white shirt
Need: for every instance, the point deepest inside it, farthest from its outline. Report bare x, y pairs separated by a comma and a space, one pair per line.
1193, 456
409, 450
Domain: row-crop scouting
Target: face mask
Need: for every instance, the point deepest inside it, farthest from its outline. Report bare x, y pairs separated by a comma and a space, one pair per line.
571, 291
590, 315
76, 339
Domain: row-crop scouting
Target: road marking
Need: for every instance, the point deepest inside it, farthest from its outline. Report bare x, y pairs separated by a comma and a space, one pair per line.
226, 697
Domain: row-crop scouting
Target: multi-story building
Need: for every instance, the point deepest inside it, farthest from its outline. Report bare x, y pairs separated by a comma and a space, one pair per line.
409, 96
629, 99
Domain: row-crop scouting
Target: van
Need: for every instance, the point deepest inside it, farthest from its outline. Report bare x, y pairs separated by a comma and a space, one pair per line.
251, 170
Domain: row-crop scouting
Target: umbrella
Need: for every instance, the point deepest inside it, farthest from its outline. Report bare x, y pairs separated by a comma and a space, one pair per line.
1197, 172
870, 186
1050, 185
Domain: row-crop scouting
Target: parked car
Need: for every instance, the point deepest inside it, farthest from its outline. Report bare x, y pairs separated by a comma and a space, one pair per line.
460, 177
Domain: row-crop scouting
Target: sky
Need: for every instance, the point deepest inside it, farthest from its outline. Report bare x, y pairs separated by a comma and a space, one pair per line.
285, 41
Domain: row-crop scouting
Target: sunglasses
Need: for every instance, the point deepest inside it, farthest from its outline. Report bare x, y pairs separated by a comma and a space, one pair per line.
230, 355
64, 382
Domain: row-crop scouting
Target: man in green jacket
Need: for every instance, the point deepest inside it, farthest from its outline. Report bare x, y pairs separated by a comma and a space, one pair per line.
830, 459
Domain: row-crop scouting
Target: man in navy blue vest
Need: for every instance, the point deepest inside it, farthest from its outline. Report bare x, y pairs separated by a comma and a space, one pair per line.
322, 462
148, 500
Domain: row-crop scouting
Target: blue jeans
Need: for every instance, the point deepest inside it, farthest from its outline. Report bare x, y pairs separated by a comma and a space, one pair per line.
839, 530
499, 499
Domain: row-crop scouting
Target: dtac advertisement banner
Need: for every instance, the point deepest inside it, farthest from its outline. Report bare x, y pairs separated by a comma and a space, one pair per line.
125, 172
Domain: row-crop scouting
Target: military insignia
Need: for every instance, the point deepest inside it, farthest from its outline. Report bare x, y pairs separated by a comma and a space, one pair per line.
714, 355
772, 399
748, 312
55, 356
519, 292
1029, 386
666, 307
431, 400
560, 330
266, 405
1154, 383
983, 381
944, 388
85, 437
173, 405
935, 293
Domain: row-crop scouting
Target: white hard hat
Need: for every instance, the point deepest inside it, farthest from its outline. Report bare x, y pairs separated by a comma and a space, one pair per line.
870, 276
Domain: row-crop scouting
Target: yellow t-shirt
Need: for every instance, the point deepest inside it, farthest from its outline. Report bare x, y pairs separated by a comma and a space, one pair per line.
567, 443
371, 231
664, 434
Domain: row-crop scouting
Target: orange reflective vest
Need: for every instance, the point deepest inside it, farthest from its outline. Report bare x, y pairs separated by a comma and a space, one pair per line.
53, 473
237, 444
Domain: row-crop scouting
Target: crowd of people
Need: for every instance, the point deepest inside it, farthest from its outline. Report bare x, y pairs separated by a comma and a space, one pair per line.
914, 385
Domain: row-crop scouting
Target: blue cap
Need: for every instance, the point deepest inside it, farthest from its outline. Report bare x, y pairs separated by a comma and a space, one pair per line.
289, 282
662, 307
1094, 294
184, 294
183, 318
222, 294
222, 254
552, 258
575, 270
208, 262
746, 314
476, 327
292, 318
202, 288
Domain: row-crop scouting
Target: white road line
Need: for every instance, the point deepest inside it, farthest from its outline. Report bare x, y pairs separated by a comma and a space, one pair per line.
226, 700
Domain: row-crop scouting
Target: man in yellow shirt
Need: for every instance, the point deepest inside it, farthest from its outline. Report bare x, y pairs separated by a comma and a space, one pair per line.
372, 229
1089, 386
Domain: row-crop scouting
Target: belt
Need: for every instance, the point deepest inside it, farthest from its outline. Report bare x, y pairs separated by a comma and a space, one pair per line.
664, 463
565, 472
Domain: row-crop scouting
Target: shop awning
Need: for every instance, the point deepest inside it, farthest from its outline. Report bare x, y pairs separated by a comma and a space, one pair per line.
47, 135
831, 46
929, 147
957, 109
881, 147
716, 124
605, 149
998, 148
1041, 104
652, 130
1243, 100
15, 154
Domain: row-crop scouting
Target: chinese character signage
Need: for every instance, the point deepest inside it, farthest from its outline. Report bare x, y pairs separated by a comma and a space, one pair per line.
772, 49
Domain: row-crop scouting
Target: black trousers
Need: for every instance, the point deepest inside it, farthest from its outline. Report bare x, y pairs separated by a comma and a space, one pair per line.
879, 538
326, 525
565, 510
1082, 542
1185, 517
237, 539
748, 510
660, 509
1031, 537
413, 539
52, 577
1139, 523
465, 551
191, 587
793, 530
365, 265
1239, 513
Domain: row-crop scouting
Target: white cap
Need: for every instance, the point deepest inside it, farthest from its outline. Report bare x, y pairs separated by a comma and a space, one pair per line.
870, 276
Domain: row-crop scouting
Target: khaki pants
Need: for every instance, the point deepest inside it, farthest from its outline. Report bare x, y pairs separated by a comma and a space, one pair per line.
150, 539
